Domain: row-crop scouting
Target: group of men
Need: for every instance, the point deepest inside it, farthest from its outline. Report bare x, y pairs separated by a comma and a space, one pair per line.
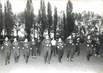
50, 47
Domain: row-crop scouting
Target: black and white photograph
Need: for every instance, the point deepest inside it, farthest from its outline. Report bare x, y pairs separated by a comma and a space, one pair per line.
51, 36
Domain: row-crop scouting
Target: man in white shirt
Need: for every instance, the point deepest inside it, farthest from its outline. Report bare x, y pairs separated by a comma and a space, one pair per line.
54, 50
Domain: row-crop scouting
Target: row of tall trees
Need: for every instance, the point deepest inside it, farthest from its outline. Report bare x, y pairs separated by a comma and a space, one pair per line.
69, 25
1, 17
29, 17
45, 20
51, 21
6, 19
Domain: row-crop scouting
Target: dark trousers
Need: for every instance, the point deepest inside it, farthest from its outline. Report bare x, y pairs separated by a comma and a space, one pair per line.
60, 54
7, 57
34, 50
54, 50
101, 50
70, 51
89, 53
26, 55
77, 49
47, 54
39, 46
16, 55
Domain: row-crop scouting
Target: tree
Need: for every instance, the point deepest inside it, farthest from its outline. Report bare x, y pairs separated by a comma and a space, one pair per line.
49, 16
43, 20
55, 21
29, 17
21, 18
39, 17
64, 22
69, 7
8, 18
1, 18
69, 26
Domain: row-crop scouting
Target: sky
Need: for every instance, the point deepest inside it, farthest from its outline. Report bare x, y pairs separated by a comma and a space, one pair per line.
95, 6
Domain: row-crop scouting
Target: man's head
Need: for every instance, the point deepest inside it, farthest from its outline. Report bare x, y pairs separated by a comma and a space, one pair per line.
15, 40
6, 39
73, 34
88, 37
59, 40
70, 37
47, 37
26, 40
33, 40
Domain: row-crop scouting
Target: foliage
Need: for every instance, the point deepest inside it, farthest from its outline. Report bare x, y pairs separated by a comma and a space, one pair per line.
8, 18
29, 17
69, 26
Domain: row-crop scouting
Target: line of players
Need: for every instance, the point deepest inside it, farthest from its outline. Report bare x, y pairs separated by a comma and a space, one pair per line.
49, 47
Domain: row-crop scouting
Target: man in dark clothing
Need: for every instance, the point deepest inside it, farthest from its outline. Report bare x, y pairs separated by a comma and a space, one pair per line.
46, 44
26, 50
7, 50
33, 47
16, 50
89, 47
60, 48
77, 45
70, 48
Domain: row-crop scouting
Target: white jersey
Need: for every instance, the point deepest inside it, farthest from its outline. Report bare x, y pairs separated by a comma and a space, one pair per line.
53, 42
